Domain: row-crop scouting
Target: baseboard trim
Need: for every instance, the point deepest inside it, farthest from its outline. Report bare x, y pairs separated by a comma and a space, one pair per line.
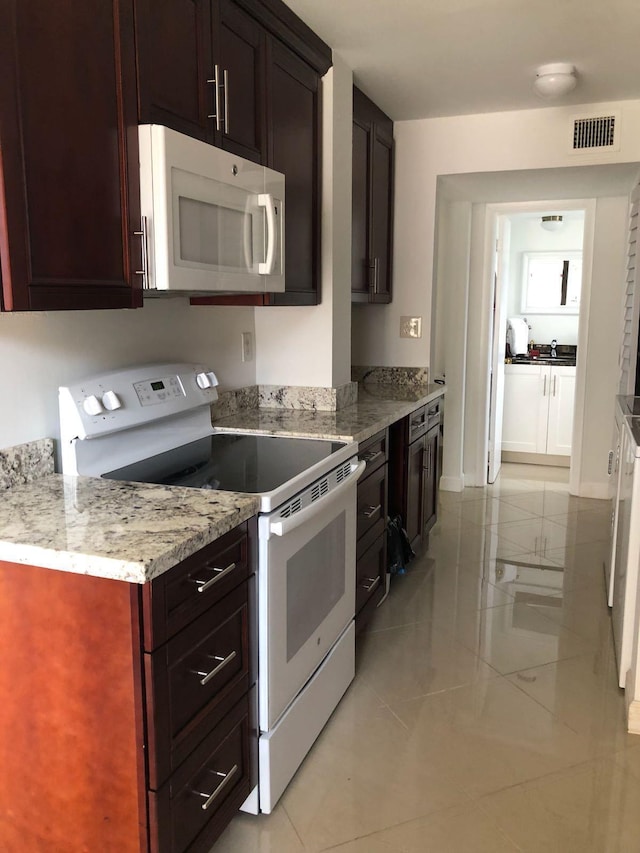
451, 484
599, 491
536, 458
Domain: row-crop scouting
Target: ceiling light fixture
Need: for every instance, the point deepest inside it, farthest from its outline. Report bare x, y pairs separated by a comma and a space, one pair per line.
555, 80
551, 223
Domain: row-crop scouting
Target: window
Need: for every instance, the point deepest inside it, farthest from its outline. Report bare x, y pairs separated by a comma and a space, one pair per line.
551, 282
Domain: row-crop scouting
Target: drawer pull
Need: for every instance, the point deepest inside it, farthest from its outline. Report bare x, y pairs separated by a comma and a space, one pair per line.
372, 511
203, 586
371, 455
209, 675
226, 778
373, 583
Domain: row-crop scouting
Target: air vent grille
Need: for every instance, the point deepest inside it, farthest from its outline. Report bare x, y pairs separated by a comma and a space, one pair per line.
596, 132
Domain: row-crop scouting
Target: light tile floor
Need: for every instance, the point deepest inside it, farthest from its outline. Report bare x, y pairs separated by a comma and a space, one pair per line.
485, 713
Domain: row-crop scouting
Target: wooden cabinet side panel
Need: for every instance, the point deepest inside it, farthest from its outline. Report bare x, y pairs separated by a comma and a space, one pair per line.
71, 735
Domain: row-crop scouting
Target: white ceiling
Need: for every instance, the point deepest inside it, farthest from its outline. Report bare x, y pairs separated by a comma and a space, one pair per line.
427, 58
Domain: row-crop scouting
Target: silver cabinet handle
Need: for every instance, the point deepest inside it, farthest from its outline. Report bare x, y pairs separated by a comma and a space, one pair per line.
226, 778
373, 583
372, 511
544, 390
555, 383
144, 272
216, 96
610, 465
221, 665
225, 86
370, 456
203, 586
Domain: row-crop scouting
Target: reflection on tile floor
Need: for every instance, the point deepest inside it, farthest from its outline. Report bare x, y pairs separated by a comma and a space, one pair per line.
485, 713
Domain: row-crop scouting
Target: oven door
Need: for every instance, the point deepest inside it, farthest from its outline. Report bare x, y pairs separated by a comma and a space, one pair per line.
306, 586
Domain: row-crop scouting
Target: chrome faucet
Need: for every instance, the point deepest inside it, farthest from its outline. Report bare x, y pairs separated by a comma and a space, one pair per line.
554, 344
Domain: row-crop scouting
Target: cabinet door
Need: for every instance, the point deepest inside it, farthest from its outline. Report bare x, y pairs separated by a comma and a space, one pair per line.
239, 54
173, 42
431, 477
294, 149
372, 202
526, 407
381, 214
70, 196
415, 489
562, 387
360, 203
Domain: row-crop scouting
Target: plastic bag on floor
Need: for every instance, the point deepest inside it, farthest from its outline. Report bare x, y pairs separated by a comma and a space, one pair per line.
399, 550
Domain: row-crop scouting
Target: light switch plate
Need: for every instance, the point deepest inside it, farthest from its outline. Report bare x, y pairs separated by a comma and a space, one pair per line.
410, 327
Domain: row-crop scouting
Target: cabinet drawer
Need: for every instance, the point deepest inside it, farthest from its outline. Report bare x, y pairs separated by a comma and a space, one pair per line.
370, 573
190, 811
194, 679
372, 501
373, 452
180, 595
418, 423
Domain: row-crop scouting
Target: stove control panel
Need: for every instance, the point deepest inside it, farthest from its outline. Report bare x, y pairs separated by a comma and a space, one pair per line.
153, 391
134, 397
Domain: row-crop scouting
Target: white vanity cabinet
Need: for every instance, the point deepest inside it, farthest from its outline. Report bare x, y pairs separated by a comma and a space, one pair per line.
538, 408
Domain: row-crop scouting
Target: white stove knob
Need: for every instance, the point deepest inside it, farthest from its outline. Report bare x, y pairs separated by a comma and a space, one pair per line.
206, 379
92, 405
111, 401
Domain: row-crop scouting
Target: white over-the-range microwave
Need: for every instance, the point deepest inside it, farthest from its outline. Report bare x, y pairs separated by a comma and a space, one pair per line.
212, 222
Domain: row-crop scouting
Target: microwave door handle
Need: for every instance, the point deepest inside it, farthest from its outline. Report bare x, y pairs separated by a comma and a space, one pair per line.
266, 200
286, 525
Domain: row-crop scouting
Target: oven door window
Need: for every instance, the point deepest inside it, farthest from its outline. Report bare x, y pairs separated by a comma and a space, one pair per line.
306, 598
315, 584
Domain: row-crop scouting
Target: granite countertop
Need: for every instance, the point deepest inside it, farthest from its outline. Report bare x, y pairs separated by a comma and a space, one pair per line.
135, 531
378, 407
106, 528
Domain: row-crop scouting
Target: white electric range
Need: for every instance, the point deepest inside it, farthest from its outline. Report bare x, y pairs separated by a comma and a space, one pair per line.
152, 424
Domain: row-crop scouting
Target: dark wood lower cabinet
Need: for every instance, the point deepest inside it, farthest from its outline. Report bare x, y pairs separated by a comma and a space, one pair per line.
414, 472
107, 745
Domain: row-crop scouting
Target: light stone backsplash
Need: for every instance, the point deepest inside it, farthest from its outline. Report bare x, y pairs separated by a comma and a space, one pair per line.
380, 375
25, 463
284, 397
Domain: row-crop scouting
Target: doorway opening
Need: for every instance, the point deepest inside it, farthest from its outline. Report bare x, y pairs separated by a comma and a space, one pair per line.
539, 293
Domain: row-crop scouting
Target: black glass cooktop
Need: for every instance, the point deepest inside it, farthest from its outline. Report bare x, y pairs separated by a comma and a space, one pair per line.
237, 463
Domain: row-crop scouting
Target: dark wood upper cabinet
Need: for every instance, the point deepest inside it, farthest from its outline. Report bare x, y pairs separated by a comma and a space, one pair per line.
267, 65
372, 202
174, 51
294, 122
239, 62
69, 193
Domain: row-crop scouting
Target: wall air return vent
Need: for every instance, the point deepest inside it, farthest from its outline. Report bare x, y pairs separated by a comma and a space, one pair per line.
600, 133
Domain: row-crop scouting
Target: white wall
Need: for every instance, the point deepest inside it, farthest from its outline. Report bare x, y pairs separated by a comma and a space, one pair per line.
517, 143
312, 346
602, 369
527, 235
494, 142
40, 351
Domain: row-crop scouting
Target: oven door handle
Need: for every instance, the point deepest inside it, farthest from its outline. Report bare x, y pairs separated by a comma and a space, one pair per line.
286, 525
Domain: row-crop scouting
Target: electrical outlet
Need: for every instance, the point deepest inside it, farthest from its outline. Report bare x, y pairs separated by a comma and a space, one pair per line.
410, 327
247, 346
